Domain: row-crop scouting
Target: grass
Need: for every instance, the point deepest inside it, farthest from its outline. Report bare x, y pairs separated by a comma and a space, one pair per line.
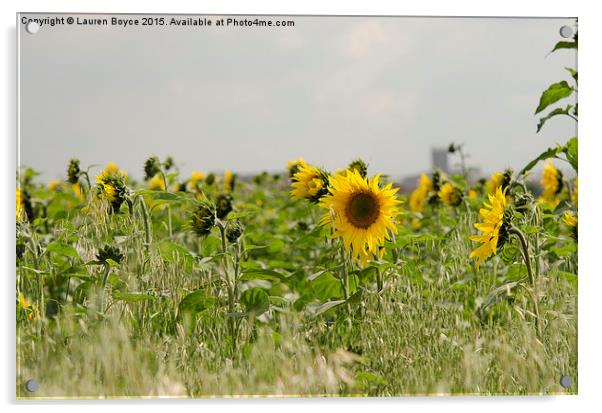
162, 324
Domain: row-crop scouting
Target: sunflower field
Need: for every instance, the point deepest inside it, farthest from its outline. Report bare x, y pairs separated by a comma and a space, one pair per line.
304, 282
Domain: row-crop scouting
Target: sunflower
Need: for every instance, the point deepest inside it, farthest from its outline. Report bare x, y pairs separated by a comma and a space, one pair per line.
20, 207
77, 190
111, 185
572, 222
54, 185
494, 227
496, 181
294, 166
229, 180
472, 194
551, 181
156, 183
450, 194
361, 213
309, 183
418, 197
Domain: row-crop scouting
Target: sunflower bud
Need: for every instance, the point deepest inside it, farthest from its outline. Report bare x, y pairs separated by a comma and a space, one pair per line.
360, 166
210, 179
203, 218
109, 252
223, 205
234, 231
152, 167
73, 171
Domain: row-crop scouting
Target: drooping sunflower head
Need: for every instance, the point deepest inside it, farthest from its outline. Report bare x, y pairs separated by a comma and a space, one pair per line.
229, 180
360, 166
73, 171
309, 183
450, 195
494, 227
210, 179
234, 231
294, 166
223, 205
156, 183
361, 213
203, 218
152, 167
551, 181
109, 252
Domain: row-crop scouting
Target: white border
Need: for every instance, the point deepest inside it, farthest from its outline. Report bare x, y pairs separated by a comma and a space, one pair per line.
590, 288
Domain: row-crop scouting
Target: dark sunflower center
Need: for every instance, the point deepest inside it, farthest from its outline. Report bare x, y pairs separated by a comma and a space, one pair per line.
362, 210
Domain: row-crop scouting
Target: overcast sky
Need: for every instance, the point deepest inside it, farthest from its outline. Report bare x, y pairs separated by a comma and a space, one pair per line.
328, 90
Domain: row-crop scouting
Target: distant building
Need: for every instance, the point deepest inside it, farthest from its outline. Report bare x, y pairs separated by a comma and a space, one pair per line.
439, 159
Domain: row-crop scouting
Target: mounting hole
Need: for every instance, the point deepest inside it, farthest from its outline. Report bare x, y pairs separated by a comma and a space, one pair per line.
32, 27
31, 385
566, 32
566, 381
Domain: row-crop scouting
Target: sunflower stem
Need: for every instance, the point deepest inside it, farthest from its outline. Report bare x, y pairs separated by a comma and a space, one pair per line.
229, 287
525, 247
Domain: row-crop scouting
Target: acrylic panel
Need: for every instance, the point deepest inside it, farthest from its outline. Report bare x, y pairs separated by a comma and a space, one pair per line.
306, 206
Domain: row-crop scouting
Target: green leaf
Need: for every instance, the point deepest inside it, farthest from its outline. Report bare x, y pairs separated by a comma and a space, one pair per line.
553, 94
571, 151
262, 274
62, 249
549, 153
322, 308
555, 112
563, 44
196, 302
255, 300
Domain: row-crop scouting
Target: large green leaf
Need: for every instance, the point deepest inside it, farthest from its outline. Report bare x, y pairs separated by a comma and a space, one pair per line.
553, 94
563, 44
255, 300
62, 249
196, 302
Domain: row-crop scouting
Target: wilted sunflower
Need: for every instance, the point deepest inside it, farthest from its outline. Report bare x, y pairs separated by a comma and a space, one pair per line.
203, 218
450, 194
73, 171
551, 181
223, 205
362, 213
309, 183
152, 167
418, 197
494, 228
